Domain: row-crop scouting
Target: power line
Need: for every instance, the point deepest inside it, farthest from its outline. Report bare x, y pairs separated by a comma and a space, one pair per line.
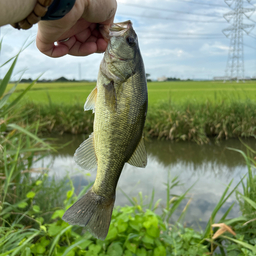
186, 34
187, 38
250, 46
252, 20
166, 18
168, 10
192, 2
252, 35
177, 38
178, 33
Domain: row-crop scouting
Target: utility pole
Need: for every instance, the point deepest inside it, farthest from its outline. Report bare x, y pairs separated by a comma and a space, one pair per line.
235, 63
0, 50
79, 71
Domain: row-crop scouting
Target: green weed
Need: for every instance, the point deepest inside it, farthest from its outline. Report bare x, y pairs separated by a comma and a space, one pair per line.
133, 231
245, 225
192, 121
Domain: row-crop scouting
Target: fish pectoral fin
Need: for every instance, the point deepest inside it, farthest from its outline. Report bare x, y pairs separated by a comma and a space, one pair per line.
85, 155
91, 100
139, 156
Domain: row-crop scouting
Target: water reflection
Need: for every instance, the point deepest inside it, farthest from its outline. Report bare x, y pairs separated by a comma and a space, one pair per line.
210, 167
169, 153
190, 153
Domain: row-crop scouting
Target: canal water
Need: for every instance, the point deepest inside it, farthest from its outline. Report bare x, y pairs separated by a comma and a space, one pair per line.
208, 168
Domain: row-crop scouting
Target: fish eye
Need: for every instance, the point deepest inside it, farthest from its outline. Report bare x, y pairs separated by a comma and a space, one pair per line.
130, 40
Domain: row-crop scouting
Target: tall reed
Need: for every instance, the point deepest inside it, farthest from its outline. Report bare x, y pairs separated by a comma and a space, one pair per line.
191, 121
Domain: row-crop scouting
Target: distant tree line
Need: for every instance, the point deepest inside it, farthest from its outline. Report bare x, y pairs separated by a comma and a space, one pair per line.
165, 79
177, 79
147, 76
61, 79
172, 79
64, 79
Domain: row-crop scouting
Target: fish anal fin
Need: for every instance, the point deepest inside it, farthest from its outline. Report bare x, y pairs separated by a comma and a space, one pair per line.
139, 156
91, 100
85, 155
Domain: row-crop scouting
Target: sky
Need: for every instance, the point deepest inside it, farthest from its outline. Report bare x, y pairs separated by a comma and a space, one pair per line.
177, 38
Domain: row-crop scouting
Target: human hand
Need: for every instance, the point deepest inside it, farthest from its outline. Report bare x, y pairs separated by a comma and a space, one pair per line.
84, 25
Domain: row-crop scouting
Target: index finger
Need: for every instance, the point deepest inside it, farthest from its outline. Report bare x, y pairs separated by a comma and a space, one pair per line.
50, 32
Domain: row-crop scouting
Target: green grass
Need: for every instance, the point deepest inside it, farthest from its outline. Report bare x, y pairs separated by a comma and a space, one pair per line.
178, 92
58, 92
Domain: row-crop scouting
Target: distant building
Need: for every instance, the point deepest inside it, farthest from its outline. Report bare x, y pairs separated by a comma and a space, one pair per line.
224, 78
162, 79
61, 79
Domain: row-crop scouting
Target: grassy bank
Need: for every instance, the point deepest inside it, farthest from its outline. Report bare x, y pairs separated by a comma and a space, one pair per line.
192, 120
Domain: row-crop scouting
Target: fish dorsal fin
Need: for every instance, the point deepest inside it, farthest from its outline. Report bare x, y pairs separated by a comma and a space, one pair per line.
139, 156
91, 100
85, 155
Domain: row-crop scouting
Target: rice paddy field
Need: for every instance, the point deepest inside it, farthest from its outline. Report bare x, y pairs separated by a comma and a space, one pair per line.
175, 92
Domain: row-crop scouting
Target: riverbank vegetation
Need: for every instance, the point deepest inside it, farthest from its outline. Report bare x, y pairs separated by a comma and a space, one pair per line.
32, 203
194, 111
191, 121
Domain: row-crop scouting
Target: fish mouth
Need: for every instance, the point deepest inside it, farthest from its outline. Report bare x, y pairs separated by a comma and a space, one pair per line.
118, 29
113, 57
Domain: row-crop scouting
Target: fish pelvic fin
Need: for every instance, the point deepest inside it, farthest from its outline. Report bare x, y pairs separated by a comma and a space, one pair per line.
91, 100
92, 211
85, 155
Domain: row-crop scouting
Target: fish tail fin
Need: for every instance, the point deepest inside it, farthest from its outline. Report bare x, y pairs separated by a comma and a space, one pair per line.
92, 211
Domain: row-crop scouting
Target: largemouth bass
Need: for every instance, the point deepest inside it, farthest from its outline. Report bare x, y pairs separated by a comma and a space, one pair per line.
119, 101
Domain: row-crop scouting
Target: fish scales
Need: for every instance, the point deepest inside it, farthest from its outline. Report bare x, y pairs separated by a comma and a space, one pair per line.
119, 145
120, 104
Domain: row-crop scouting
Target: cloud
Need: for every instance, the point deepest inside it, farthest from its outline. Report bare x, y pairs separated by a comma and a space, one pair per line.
215, 48
163, 52
170, 42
